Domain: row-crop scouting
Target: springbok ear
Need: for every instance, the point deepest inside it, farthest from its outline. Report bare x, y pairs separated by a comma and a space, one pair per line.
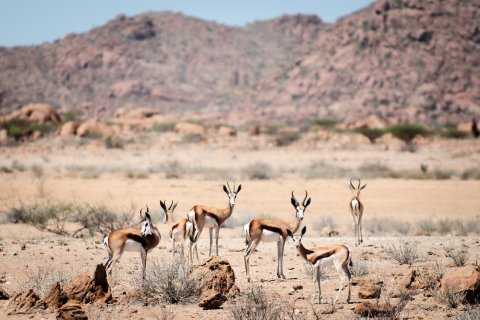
294, 203
162, 204
304, 230
174, 206
225, 189
308, 202
239, 188
363, 186
289, 233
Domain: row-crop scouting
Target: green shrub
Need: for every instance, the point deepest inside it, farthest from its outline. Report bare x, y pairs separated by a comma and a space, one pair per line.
69, 116
163, 127
324, 123
407, 132
370, 133
452, 133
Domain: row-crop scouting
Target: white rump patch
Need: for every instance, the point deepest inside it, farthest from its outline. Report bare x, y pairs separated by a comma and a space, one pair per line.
210, 222
268, 236
355, 204
132, 245
191, 215
176, 234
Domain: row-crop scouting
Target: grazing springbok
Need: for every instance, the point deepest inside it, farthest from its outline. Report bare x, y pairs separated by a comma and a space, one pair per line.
337, 254
356, 208
272, 230
128, 239
180, 230
204, 216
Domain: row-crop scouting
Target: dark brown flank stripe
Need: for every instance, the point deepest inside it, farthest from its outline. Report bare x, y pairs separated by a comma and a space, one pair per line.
324, 255
184, 229
212, 216
137, 238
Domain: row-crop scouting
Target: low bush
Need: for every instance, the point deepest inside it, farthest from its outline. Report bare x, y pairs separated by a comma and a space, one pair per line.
370, 133
258, 171
404, 252
407, 132
172, 281
256, 304
458, 256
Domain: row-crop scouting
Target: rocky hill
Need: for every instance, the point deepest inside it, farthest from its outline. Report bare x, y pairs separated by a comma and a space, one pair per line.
402, 60
395, 61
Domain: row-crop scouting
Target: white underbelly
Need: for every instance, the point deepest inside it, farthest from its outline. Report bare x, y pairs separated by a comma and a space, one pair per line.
269, 236
131, 245
210, 222
325, 261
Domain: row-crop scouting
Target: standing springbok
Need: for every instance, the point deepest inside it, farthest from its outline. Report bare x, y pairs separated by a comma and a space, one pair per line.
180, 230
272, 230
356, 208
128, 239
338, 254
204, 216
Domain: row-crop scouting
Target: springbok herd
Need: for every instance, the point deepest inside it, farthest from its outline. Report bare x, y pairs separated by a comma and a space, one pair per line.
258, 230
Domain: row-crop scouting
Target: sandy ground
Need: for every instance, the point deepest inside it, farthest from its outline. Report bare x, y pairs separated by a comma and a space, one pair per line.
398, 200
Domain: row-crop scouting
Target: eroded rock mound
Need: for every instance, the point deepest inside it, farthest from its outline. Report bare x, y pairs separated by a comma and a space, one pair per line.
3, 294
71, 311
86, 289
368, 309
24, 303
369, 291
93, 128
218, 277
55, 297
463, 280
36, 113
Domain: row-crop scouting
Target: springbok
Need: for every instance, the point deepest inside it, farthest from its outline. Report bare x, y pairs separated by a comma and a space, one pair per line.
356, 208
180, 230
128, 239
338, 254
204, 216
272, 230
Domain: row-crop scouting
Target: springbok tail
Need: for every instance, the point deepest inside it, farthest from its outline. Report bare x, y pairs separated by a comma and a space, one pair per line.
350, 262
191, 218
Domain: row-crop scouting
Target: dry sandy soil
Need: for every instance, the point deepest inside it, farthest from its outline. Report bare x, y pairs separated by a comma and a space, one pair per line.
48, 172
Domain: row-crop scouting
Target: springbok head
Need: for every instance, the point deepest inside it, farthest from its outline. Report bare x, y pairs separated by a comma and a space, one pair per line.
297, 240
232, 193
356, 191
300, 208
167, 212
147, 223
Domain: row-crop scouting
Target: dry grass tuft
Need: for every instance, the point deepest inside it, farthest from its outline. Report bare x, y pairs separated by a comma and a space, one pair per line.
404, 253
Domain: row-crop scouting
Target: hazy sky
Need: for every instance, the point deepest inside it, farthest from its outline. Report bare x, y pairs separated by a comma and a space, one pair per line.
25, 22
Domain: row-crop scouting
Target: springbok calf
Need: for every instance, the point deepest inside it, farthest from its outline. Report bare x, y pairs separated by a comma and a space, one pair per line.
338, 254
129, 239
204, 216
272, 230
356, 208
180, 230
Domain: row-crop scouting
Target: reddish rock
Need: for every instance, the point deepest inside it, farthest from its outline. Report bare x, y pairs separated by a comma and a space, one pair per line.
227, 131
24, 303
86, 289
211, 299
464, 280
368, 309
189, 128
55, 297
95, 128
71, 311
217, 274
407, 281
369, 291
68, 129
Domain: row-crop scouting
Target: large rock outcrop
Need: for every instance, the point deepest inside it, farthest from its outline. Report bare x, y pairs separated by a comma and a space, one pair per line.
462, 280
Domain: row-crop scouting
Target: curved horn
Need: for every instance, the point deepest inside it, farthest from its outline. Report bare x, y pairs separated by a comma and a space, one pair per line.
358, 184
141, 216
229, 189
306, 195
147, 209
170, 205
234, 186
351, 184
293, 197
